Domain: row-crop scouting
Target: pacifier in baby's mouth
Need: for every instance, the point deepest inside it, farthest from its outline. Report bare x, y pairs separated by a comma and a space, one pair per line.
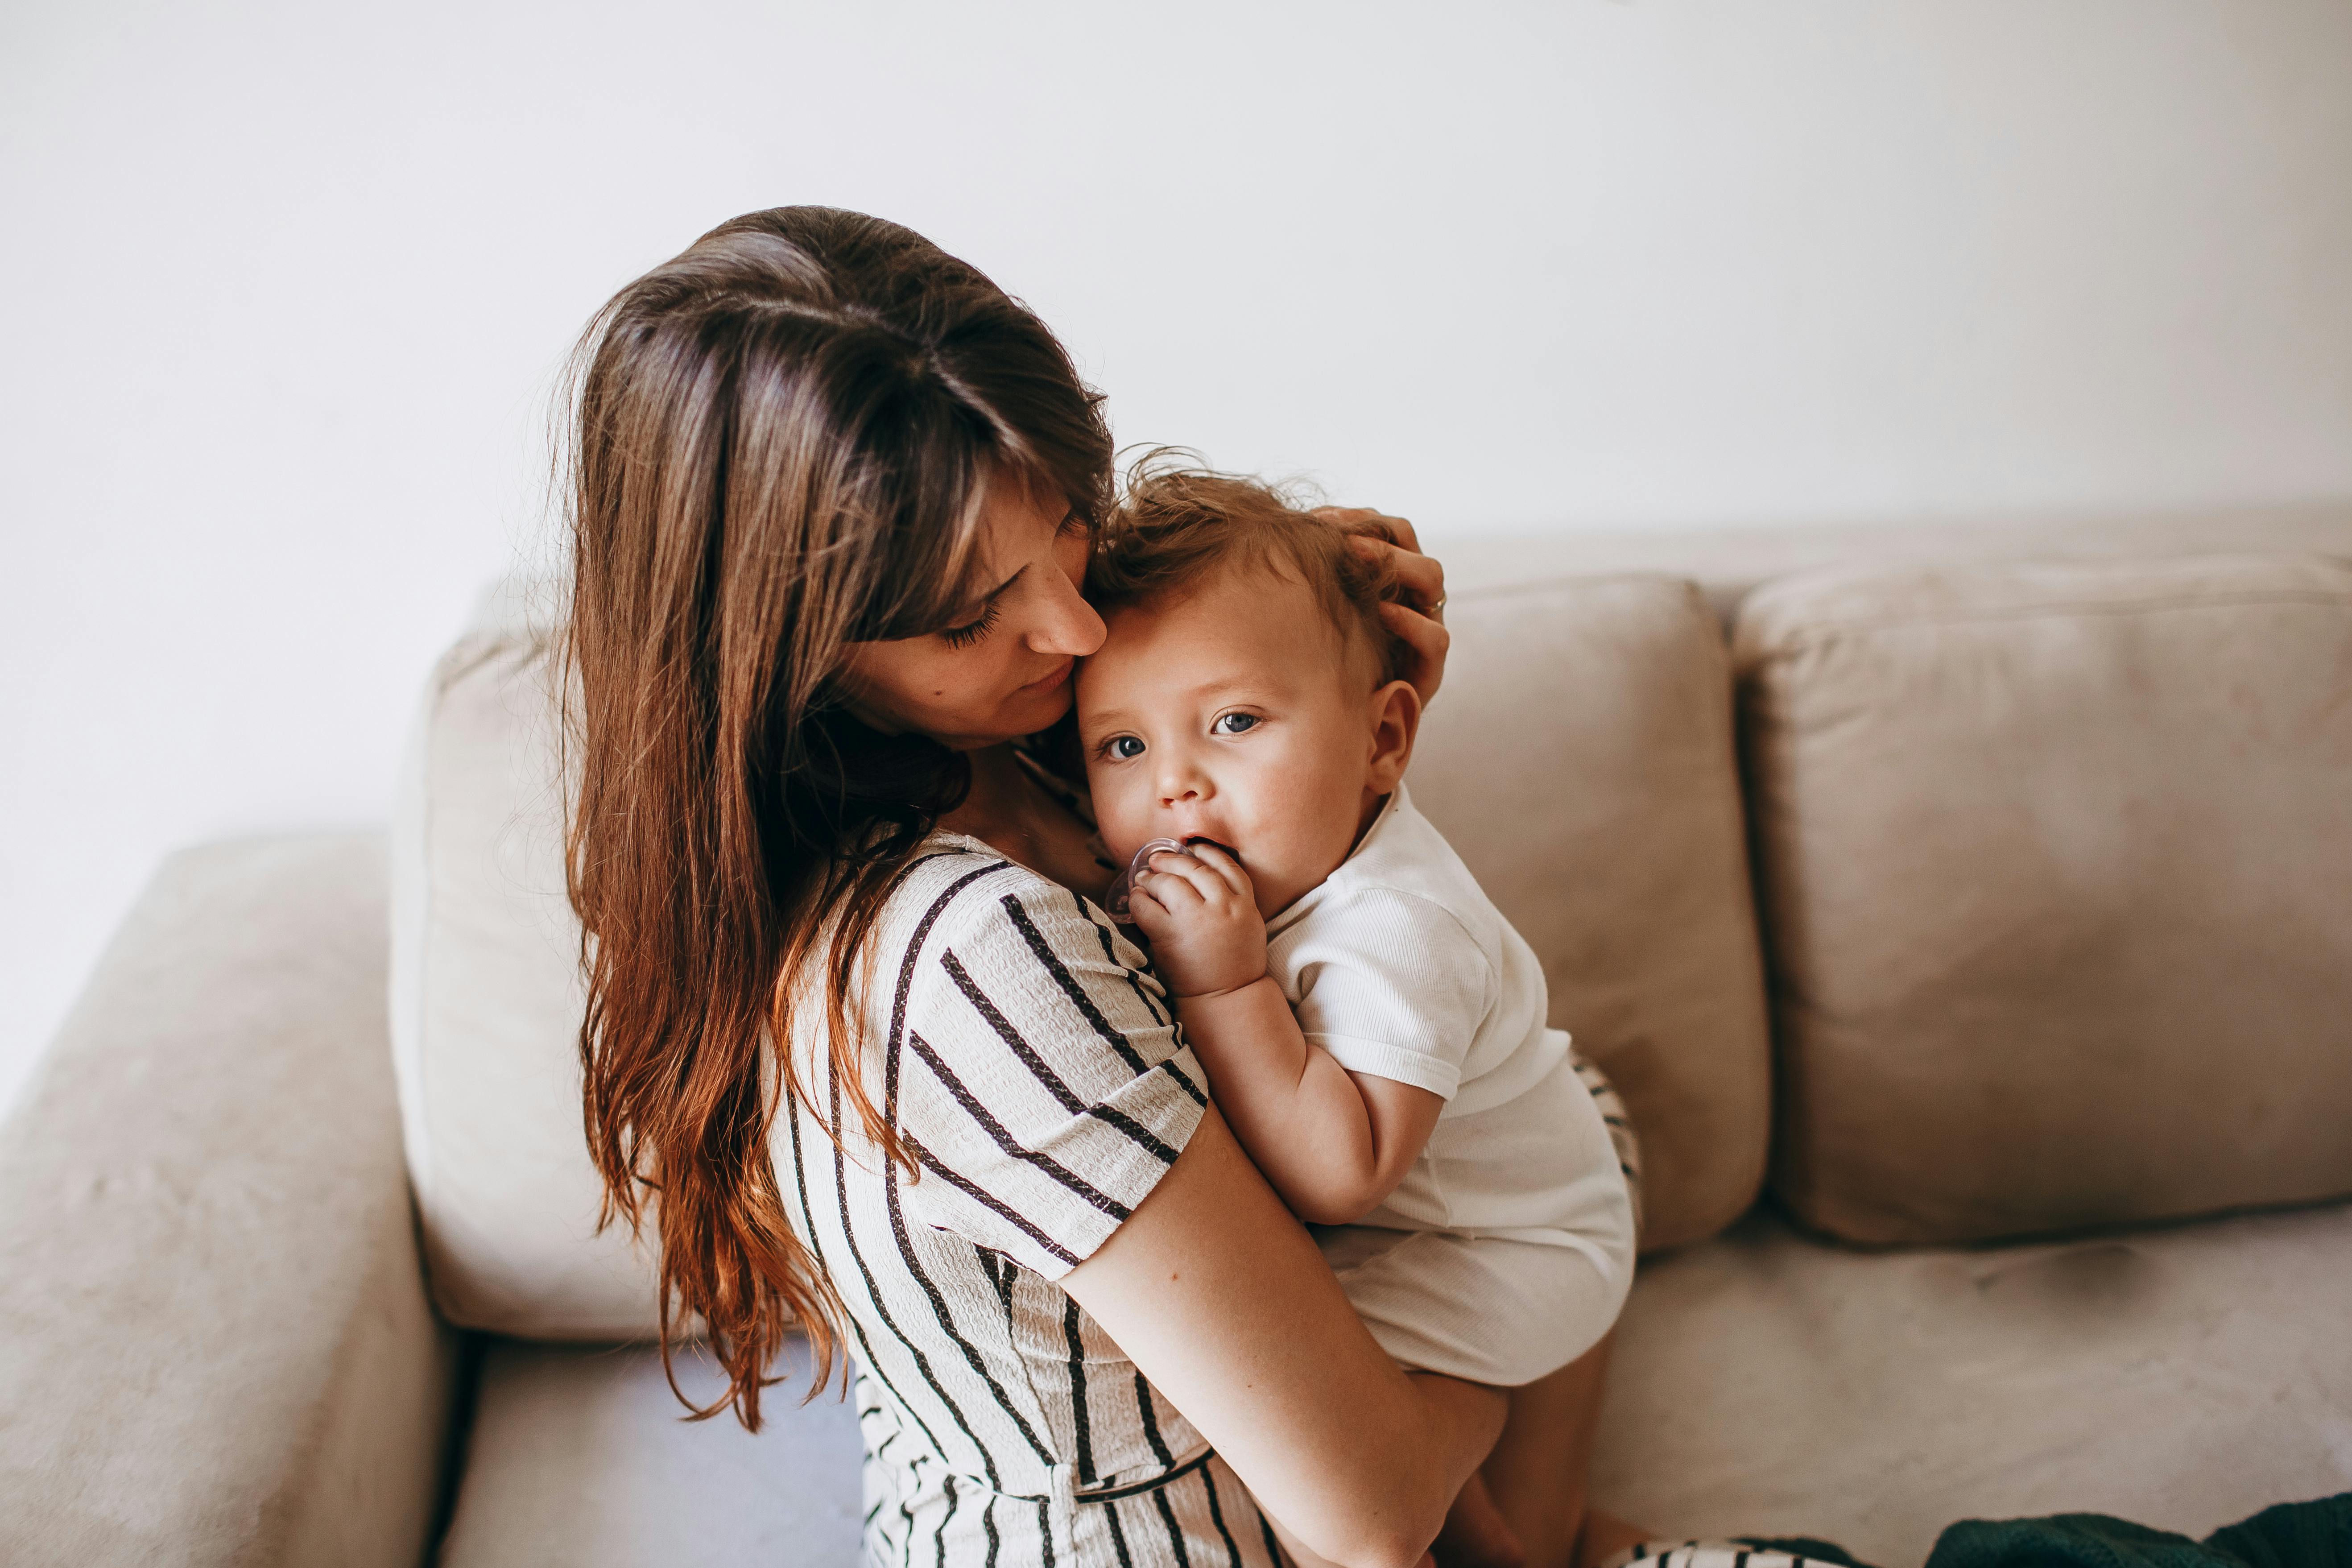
1117, 903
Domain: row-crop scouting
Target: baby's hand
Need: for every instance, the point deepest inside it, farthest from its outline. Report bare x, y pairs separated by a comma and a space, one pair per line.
1201, 914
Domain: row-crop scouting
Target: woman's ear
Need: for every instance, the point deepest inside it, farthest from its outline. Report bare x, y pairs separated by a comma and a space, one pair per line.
1396, 721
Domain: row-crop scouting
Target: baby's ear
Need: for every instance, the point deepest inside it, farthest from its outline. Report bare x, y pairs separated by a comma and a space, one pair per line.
1396, 722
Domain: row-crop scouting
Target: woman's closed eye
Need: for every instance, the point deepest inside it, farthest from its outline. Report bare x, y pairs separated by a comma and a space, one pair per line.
972, 631
1234, 723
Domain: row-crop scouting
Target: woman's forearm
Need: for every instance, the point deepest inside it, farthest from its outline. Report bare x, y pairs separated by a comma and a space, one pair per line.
1220, 1299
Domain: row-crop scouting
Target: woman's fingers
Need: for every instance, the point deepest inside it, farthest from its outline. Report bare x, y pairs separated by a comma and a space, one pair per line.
1428, 641
1419, 620
1420, 579
1397, 526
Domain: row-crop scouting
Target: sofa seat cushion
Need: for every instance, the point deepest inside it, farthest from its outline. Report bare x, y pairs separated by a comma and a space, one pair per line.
1769, 1384
578, 1458
2056, 866
1762, 1383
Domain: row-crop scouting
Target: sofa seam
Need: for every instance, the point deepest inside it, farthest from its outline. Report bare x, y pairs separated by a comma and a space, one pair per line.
1814, 636
1570, 579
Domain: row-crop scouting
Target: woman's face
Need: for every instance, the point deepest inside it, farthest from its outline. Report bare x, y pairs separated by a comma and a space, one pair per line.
1003, 669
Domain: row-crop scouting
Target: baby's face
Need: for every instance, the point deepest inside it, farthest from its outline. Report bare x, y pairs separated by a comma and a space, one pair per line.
1232, 712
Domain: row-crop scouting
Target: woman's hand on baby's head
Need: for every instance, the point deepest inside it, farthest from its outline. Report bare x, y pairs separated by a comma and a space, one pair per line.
1417, 615
1201, 913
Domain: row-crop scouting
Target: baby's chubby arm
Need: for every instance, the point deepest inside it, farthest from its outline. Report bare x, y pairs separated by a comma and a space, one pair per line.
1332, 1143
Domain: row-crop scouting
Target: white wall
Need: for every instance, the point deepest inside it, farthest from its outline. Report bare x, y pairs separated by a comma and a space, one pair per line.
283, 286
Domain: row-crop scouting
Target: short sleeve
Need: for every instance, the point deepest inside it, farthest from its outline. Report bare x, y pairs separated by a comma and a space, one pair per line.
1391, 984
1037, 1074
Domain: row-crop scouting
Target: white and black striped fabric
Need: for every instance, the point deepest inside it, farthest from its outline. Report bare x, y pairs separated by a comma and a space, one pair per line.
1031, 1063
1736, 1553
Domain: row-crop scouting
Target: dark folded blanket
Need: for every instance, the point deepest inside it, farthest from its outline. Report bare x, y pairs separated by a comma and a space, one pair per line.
2292, 1535
2316, 1534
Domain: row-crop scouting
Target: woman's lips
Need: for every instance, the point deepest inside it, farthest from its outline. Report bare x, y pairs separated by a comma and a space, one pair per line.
1048, 682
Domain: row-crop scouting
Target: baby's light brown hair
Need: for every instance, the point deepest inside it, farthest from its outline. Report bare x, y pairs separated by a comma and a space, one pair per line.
1177, 524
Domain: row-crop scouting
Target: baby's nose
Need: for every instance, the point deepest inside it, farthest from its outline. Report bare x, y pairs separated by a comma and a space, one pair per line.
1183, 783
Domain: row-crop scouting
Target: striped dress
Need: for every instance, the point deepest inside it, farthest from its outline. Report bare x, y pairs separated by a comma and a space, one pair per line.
1031, 1063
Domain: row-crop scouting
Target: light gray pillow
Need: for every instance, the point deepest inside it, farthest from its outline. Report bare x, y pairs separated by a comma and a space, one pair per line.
487, 999
1580, 761
2057, 871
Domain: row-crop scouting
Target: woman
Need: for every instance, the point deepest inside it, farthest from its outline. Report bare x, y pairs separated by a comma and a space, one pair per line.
854, 1038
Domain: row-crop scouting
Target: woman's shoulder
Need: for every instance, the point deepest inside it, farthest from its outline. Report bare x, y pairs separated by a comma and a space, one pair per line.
1030, 1057
965, 912
957, 886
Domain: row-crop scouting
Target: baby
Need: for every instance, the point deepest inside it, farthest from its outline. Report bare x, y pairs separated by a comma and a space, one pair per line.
1374, 1030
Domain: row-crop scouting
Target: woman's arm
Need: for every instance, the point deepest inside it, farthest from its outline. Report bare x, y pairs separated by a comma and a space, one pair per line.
1334, 1143
1218, 1296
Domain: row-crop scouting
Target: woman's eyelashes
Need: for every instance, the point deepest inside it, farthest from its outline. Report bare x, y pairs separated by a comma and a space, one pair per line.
972, 632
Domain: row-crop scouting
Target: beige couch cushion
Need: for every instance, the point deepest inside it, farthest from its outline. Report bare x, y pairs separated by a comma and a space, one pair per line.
486, 1003
2057, 870
1580, 760
1729, 563
2183, 1378
1760, 1384
214, 1344
578, 1460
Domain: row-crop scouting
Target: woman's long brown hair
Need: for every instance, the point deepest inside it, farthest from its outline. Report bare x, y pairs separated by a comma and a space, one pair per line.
778, 443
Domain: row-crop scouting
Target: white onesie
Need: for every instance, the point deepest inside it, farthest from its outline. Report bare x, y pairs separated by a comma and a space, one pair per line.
1518, 1212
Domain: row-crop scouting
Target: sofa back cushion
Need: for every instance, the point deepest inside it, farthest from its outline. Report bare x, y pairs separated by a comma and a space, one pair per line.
2055, 862
1580, 760
1580, 757
487, 1000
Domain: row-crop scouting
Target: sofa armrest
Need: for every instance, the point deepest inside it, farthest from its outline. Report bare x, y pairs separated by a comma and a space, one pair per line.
214, 1341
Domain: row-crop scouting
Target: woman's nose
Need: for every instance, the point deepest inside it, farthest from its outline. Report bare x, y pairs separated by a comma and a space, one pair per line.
1068, 624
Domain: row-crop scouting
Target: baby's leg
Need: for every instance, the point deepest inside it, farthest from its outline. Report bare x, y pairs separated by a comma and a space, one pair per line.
1543, 1464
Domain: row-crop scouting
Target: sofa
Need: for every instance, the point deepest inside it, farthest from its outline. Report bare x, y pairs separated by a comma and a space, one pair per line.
1965, 913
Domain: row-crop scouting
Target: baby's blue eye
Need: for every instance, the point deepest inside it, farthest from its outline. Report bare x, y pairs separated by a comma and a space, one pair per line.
1127, 748
1234, 723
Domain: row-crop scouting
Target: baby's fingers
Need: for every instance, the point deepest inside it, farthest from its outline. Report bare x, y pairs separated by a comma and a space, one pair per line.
1227, 868
1207, 882
1172, 889
1150, 916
